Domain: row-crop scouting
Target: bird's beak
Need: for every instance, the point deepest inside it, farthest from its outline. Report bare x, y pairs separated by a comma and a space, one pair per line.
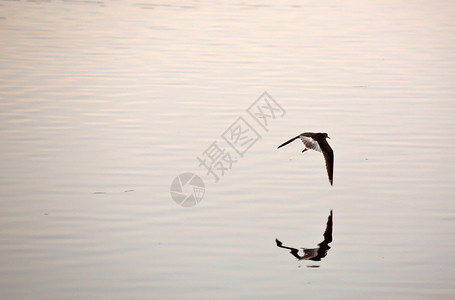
328, 137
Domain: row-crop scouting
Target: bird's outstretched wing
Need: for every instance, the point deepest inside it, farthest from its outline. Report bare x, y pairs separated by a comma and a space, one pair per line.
291, 140
328, 155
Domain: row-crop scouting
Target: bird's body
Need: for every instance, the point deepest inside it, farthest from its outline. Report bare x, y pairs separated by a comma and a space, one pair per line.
317, 142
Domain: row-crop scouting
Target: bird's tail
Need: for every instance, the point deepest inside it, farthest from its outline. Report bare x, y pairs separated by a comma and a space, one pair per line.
291, 140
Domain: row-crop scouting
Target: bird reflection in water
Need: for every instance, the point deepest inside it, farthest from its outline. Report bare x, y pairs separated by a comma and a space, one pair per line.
315, 254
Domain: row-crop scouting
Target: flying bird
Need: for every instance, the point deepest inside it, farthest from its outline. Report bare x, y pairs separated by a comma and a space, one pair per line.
318, 142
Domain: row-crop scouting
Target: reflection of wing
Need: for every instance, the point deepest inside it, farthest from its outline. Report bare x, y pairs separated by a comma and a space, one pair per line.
309, 142
328, 155
324, 245
315, 254
328, 230
294, 251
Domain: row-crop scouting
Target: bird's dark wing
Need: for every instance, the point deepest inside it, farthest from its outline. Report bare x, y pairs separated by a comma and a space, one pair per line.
291, 140
328, 155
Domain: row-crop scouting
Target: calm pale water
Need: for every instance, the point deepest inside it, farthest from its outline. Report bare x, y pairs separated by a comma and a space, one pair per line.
104, 103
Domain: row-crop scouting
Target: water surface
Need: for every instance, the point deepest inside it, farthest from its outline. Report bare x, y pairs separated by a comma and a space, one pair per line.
104, 103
